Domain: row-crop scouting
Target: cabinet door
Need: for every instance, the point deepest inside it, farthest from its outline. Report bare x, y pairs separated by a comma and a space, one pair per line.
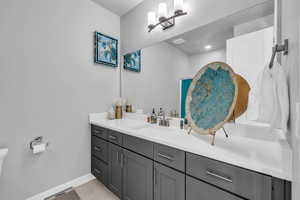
115, 170
137, 177
198, 190
168, 183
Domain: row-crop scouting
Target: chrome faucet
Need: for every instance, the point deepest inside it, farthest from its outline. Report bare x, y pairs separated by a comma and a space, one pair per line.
163, 121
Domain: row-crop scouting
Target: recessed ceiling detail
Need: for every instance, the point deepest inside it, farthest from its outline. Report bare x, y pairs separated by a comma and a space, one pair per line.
179, 41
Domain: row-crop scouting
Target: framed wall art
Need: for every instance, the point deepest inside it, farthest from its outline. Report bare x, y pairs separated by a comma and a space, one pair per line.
106, 50
132, 61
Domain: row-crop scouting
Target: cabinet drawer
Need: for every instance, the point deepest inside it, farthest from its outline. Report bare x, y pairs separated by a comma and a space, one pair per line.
248, 184
169, 156
99, 132
100, 170
115, 137
138, 145
196, 190
100, 148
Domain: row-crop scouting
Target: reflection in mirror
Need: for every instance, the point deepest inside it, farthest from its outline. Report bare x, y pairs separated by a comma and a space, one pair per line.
243, 40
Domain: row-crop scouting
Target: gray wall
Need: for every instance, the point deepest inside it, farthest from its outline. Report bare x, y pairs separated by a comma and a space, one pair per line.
297, 146
157, 85
48, 86
163, 66
290, 30
200, 60
134, 24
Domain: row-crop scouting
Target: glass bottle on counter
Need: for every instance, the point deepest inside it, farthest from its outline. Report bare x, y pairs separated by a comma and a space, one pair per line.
153, 118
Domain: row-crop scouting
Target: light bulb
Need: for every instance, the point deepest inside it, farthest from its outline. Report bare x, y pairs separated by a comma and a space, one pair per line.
178, 6
208, 47
151, 18
162, 11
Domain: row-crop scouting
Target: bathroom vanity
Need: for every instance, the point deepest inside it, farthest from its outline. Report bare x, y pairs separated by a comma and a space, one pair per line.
139, 161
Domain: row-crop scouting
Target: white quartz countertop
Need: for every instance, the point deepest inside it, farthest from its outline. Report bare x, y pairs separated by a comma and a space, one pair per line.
253, 148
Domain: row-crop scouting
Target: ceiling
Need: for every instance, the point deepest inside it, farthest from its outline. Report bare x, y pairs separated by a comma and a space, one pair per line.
119, 7
216, 33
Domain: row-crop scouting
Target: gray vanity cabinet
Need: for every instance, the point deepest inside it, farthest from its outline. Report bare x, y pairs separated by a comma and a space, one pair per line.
137, 177
169, 184
115, 169
138, 169
198, 190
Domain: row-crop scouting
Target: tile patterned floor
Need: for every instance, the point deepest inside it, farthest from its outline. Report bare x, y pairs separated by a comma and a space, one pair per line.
94, 190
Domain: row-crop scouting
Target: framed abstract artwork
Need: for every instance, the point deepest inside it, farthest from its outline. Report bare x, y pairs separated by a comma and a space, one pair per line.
132, 61
106, 50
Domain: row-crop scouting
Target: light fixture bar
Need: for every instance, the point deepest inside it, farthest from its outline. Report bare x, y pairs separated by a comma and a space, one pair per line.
167, 22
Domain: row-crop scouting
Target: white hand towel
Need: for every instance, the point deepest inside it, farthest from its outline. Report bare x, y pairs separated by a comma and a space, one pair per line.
266, 97
280, 119
269, 100
262, 98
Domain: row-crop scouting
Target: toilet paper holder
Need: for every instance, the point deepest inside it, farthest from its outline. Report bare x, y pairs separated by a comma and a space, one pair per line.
36, 141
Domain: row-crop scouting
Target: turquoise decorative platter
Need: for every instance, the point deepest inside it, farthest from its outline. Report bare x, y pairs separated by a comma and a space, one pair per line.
211, 98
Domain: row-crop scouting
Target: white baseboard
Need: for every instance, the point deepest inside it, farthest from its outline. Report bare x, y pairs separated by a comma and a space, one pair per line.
73, 183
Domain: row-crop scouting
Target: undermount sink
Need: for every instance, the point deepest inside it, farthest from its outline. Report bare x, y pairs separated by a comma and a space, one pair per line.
131, 124
160, 131
3, 153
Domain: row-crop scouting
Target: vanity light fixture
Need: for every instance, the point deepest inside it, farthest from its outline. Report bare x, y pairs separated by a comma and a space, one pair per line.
163, 19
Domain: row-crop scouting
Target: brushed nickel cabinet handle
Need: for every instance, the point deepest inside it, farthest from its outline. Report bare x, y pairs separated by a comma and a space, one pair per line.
97, 171
97, 148
169, 158
155, 176
122, 160
112, 137
97, 132
220, 177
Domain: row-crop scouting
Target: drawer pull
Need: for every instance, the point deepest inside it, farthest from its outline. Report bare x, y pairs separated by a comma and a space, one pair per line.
118, 159
169, 158
112, 137
122, 160
97, 171
97, 132
220, 177
155, 176
99, 149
